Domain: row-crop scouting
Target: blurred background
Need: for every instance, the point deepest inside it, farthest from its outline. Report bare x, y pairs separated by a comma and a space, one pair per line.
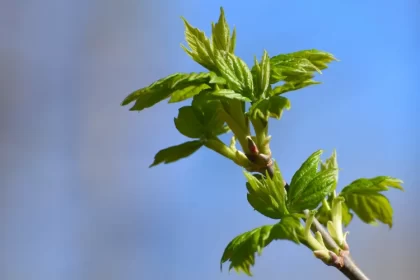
77, 198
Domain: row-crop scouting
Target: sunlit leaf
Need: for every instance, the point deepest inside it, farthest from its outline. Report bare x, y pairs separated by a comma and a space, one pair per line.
304, 175
236, 73
241, 250
270, 107
293, 85
190, 122
175, 153
201, 50
229, 94
364, 198
221, 33
187, 92
267, 195
262, 75
184, 85
314, 192
202, 120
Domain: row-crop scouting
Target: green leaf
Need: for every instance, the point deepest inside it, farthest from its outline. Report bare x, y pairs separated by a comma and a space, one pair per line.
377, 184
297, 69
233, 41
221, 33
287, 66
241, 250
229, 94
214, 79
267, 195
292, 86
314, 192
190, 122
347, 216
319, 59
180, 84
175, 153
330, 163
262, 75
304, 175
187, 92
270, 107
236, 73
200, 48
323, 214
364, 198
202, 120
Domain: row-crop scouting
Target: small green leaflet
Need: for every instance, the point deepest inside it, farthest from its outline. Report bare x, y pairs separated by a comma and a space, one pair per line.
308, 186
201, 49
269, 107
292, 86
319, 59
241, 250
305, 174
175, 153
200, 121
364, 198
221, 33
187, 92
347, 216
324, 215
317, 189
229, 94
297, 69
235, 71
181, 85
267, 195
214, 79
261, 74
189, 122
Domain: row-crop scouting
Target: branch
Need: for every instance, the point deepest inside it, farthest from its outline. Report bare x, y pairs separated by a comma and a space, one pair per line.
342, 261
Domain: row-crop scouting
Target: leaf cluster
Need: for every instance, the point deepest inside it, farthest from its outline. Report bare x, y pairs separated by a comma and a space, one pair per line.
231, 96
219, 94
313, 187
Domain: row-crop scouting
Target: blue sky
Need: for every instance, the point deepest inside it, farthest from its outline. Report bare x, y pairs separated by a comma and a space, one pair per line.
78, 198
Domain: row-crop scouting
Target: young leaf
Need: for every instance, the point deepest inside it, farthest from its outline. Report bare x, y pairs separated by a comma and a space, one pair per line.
241, 250
184, 85
175, 153
232, 44
318, 58
236, 73
347, 216
323, 214
330, 163
287, 66
293, 85
221, 33
229, 94
202, 120
214, 79
364, 198
189, 122
187, 92
297, 69
376, 184
267, 195
201, 49
304, 175
270, 107
314, 192
261, 74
